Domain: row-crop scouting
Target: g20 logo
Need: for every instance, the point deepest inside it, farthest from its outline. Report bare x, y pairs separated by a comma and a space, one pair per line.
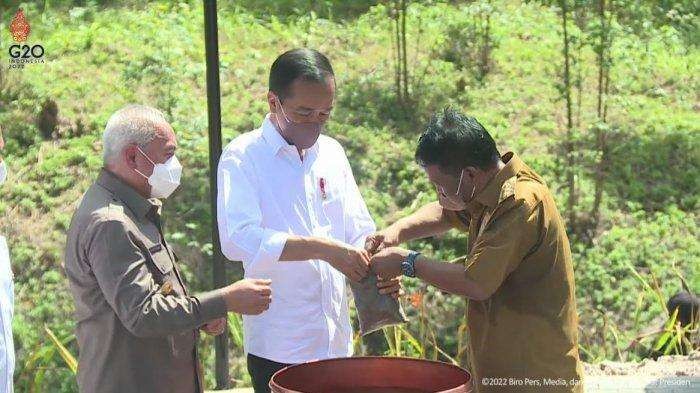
26, 51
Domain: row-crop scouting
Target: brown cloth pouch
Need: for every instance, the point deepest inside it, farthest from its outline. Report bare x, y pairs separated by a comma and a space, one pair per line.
375, 310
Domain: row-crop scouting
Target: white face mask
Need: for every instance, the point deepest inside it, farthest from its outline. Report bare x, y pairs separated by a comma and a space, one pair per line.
3, 172
165, 177
301, 135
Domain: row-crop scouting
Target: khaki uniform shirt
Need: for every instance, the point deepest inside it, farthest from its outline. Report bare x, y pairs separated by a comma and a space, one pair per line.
136, 325
524, 336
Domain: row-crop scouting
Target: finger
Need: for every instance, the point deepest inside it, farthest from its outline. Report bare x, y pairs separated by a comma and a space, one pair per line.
265, 291
373, 241
360, 268
398, 294
369, 244
364, 257
390, 289
363, 271
389, 281
262, 281
382, 283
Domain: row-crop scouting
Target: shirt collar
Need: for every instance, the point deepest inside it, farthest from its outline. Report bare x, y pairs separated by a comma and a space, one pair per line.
491, 194
272, 136
132, 199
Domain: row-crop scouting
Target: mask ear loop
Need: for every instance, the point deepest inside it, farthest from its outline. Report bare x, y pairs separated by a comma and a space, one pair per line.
148, 158
459, 187
279, 103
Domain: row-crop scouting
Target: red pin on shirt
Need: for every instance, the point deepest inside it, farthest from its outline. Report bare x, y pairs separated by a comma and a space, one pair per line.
322, 185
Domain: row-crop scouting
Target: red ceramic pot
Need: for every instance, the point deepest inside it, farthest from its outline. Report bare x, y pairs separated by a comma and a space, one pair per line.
371, 375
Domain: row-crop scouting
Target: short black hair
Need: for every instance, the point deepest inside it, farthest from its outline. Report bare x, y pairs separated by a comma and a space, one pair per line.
304, 63
455, 141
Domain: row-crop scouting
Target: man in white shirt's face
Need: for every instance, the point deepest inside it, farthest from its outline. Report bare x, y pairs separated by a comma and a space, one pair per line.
289, 209
301, 112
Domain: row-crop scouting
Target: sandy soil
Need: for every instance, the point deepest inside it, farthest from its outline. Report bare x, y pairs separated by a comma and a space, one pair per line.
665, 366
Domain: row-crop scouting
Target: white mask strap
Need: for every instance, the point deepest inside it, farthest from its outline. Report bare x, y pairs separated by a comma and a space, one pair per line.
144, 154
459, 185
148, 158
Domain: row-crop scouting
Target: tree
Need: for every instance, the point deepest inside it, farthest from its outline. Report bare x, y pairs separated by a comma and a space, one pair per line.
569, 143
398, 14
604, 63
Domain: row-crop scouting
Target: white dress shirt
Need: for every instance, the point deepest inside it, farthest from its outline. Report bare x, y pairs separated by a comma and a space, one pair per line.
266, 193
7, 349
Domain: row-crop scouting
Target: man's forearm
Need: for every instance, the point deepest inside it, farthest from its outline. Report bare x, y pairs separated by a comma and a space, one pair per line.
429, 220
302, 248
449, 277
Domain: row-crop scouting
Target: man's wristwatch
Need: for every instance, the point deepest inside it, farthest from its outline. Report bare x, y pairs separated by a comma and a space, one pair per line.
408, 267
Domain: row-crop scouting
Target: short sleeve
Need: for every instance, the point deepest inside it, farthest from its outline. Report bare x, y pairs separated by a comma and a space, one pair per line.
506, 240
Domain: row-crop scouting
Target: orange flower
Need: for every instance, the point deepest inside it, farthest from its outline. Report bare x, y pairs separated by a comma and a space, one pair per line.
416, 299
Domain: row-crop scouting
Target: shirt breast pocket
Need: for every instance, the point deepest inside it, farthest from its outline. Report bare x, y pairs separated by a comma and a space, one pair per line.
161, 260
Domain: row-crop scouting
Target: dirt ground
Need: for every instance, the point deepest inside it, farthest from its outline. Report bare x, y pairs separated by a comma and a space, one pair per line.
665, 366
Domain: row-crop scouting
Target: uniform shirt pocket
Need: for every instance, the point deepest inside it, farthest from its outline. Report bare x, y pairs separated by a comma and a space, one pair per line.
161, 259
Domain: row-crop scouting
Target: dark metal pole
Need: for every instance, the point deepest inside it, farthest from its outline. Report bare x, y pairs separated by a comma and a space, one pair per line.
211, 39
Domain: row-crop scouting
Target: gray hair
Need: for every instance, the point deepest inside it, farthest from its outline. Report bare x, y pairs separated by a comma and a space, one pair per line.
132, 124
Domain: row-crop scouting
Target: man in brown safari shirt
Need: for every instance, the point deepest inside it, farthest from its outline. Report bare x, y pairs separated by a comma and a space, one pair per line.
518, 273
137, 325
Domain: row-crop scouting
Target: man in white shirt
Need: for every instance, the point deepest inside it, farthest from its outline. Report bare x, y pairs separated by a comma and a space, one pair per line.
7, 349
290, 210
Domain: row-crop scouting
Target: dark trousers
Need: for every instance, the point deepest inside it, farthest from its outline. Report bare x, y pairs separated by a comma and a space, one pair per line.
261, 370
